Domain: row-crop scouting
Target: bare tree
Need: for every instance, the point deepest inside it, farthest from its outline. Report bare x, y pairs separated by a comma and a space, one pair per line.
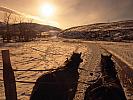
21, 28
31, 32
14, 29
21, 32
30, 20
7, 35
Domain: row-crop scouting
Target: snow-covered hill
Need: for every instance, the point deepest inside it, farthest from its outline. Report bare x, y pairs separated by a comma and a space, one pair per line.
114, 31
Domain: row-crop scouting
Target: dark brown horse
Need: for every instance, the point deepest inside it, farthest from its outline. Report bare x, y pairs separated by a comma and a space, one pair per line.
107, 86
59, 85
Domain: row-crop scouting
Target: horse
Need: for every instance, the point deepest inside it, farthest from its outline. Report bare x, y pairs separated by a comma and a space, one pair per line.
60, 84
108, 66
107, 86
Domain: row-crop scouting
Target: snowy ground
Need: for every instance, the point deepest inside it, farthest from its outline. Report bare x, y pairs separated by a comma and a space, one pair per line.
123, 50
37, 55
49, 54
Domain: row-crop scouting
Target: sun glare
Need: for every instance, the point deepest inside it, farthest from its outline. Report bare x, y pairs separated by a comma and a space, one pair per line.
47, 10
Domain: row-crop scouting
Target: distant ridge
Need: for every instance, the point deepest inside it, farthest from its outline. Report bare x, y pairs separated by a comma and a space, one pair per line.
40, 27
113, 31
33, 26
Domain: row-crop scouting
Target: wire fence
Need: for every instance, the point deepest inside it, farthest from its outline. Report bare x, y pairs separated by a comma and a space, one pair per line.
50, 70
9, 71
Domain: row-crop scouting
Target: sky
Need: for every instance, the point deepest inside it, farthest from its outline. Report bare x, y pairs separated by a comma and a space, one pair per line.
70, 13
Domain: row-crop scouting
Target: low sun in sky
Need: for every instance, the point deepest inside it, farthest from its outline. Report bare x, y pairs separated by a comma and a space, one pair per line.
47, 10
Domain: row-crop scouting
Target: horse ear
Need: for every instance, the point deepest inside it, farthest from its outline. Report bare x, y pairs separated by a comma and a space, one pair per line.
110, 55
80, 53
102, 56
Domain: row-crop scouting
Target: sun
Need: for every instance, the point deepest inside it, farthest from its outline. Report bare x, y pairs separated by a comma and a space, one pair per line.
47, 10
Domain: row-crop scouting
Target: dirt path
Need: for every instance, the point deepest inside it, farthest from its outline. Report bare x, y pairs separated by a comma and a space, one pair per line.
91, 62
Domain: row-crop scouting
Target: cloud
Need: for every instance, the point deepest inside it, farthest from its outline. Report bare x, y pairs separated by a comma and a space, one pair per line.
35, 18
4, 9
81, 12
74, 12
8, 10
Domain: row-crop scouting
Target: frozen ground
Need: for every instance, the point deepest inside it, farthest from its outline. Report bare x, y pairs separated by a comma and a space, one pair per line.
123, 50
49, 54
37, 55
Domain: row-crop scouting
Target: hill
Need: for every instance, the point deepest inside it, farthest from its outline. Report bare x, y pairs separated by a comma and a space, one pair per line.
25, 31
33, 26
113, 31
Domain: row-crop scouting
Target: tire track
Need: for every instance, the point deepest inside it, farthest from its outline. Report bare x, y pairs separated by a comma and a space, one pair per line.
91, 62
92, 57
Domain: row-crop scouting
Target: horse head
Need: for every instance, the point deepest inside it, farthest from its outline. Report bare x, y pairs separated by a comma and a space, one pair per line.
74, 61
76, 57
106, 60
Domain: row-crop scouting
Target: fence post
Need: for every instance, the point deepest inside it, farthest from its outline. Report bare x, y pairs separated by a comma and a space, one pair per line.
8, 77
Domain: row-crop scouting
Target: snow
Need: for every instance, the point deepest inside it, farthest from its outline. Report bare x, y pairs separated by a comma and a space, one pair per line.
37, 55
123, 50
49, 54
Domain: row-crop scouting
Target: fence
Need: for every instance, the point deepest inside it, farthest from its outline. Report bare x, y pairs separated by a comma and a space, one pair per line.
9, 78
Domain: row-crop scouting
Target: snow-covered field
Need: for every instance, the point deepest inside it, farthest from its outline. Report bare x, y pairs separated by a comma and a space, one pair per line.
123, 50
49, 54
38, 55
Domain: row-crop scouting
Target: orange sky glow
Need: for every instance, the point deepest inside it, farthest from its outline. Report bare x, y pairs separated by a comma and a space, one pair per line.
69, 13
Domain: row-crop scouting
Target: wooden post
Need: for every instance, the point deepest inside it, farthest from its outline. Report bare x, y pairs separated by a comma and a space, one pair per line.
8, 77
